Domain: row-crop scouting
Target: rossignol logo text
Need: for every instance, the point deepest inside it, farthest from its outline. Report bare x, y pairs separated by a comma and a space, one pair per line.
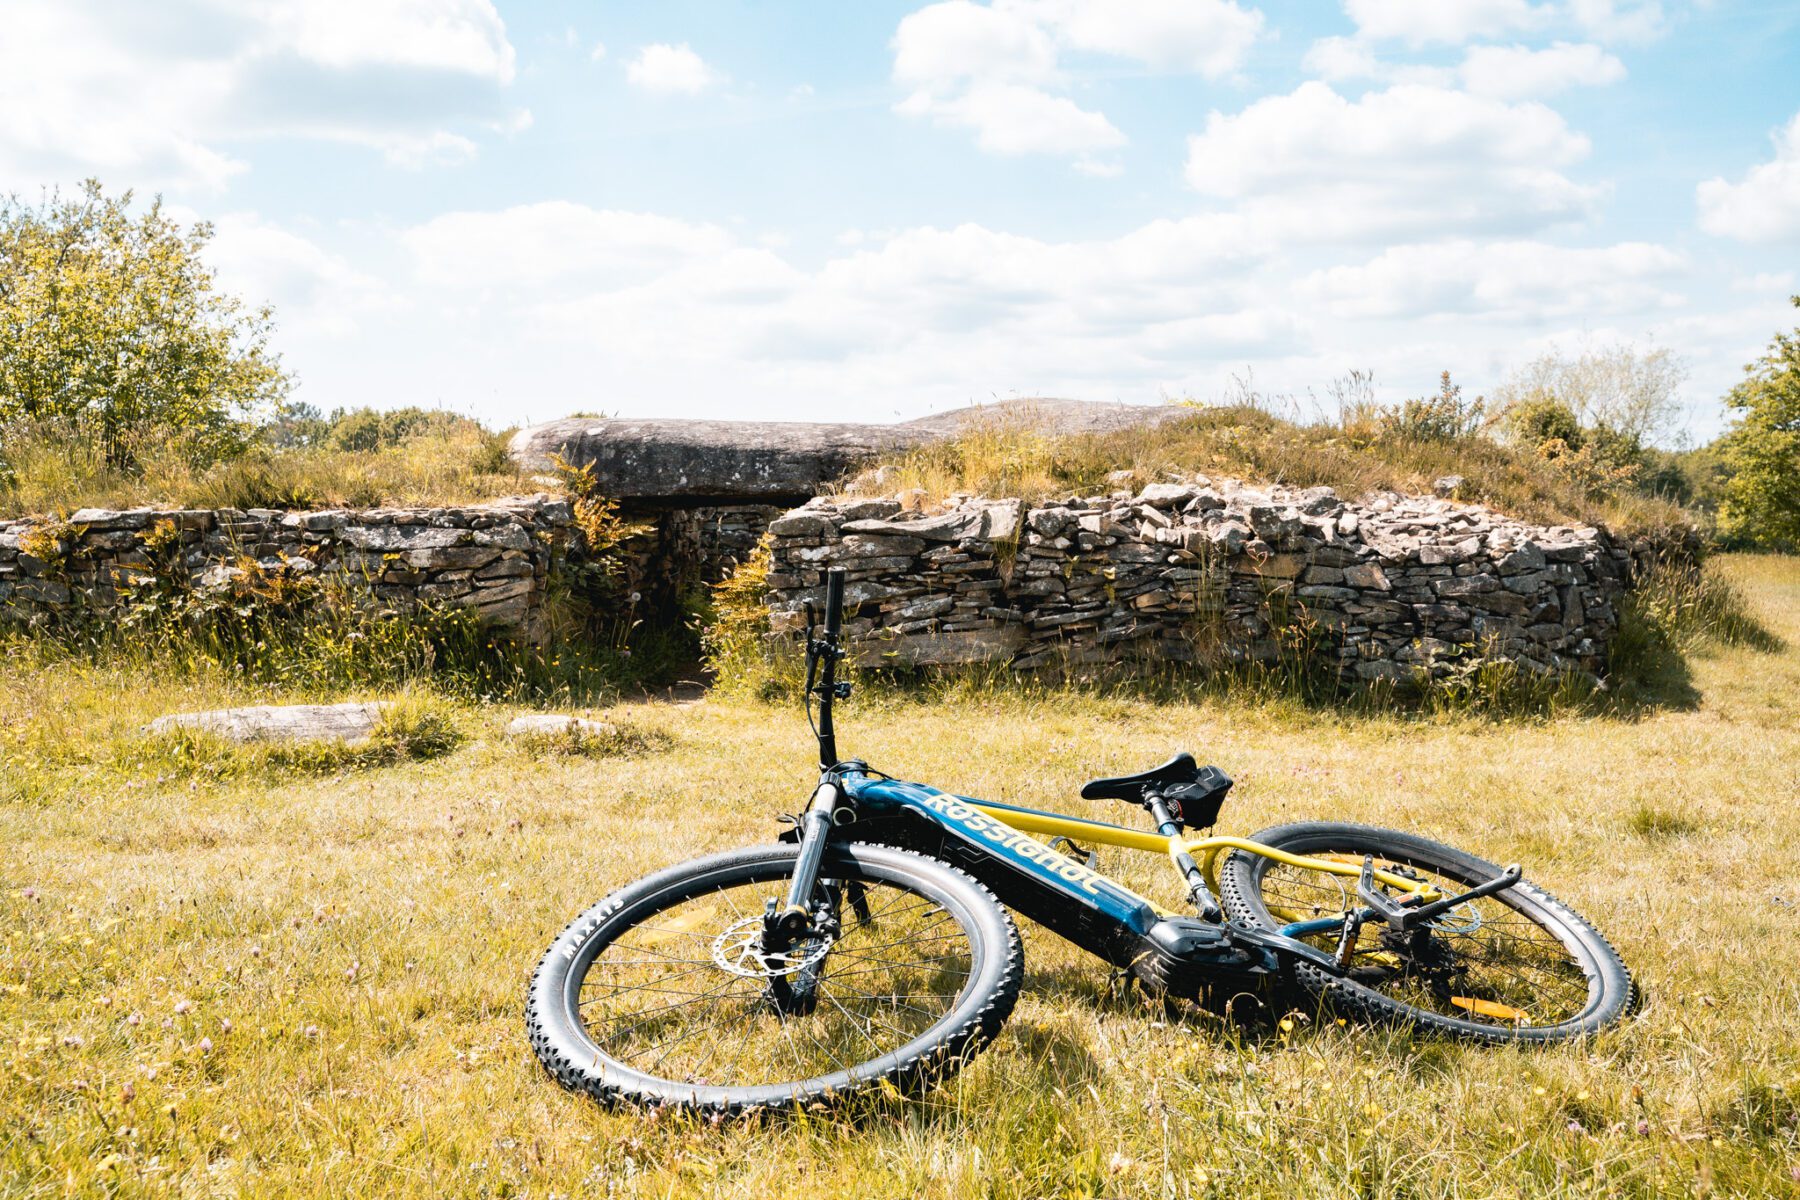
1021, 844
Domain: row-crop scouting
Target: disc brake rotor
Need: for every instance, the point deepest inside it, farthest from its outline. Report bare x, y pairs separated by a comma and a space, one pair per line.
739, 950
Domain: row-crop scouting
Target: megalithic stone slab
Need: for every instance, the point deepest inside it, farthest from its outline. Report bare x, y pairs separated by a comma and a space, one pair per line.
349, 723
671, 459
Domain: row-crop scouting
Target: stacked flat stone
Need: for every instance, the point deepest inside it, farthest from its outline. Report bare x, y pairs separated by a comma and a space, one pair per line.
494, 557
1393, 587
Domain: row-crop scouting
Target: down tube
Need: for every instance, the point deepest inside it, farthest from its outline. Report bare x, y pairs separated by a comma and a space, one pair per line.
1050, 888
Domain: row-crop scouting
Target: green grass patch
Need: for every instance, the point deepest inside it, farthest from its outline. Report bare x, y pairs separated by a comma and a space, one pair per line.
290, 983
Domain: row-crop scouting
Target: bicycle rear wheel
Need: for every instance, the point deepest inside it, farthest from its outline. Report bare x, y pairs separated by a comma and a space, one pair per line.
1517, 966
664, 994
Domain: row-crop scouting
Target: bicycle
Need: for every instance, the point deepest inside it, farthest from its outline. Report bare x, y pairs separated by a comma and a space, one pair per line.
873, 945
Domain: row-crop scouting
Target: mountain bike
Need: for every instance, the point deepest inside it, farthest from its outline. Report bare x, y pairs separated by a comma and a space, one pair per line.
872, 945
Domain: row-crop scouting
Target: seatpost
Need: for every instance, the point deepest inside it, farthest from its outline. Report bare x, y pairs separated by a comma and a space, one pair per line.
1168, 826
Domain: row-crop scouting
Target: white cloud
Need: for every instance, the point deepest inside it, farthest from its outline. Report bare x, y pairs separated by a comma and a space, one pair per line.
1411, 160
1633, 21
1341, 58
1511, 72
1011, 118
1762, 207
1455, 22
1774, 283
313, 290
1099, 168
944, 45
459, 36
671, 69
161, 95
1422, 22
652, 297
1517, 72
654, 314
1210, 37
598, 53
996, 69
1522, 281
556, 242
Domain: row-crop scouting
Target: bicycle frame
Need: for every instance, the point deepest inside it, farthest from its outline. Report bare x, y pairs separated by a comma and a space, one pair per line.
994, 843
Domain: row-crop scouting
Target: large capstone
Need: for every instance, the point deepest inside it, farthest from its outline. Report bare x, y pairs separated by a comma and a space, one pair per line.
676, 460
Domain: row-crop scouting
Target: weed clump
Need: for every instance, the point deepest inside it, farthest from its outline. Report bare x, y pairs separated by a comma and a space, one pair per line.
614, 740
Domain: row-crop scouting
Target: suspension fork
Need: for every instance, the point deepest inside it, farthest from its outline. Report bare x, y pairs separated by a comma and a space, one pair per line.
815, 831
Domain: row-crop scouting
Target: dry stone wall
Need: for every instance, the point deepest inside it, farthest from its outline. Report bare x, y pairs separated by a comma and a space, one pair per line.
1390, 588
494, 557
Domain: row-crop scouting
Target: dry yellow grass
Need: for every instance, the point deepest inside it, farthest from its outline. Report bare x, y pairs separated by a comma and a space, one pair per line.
283, 984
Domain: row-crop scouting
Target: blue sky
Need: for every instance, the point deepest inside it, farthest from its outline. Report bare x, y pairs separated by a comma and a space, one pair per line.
871, 210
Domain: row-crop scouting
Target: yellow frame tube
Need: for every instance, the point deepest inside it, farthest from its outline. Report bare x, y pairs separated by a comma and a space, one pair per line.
1205, 849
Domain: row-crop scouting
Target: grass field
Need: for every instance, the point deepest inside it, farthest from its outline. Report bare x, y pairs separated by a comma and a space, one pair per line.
253, 975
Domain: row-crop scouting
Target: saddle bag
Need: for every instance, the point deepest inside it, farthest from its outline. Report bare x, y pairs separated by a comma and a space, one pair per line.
1196, 803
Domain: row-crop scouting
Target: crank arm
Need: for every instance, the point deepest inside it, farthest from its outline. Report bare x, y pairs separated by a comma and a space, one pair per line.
1274, 945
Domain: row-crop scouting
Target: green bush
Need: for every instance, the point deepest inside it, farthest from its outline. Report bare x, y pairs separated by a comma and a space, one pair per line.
368, 429
1542, 421
113, 323
1761, 505
1444, 417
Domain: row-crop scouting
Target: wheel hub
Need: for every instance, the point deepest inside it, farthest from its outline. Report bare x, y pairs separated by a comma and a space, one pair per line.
740, 951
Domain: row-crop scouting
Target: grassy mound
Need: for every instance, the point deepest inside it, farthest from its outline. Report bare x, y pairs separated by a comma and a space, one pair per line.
1355, 454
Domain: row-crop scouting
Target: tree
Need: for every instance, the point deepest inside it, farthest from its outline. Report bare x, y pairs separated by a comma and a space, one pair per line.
1762, 450
113, 324
1634, 393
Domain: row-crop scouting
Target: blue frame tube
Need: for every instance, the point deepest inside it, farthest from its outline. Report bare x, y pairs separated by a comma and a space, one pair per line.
1023, 854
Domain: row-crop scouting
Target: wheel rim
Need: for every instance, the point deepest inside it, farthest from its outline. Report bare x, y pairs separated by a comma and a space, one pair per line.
678, 995
1491, 963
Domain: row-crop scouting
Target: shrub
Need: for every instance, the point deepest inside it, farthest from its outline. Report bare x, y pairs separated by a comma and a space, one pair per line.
114, 322
1540, 421
56, 466
1762, 450
1444, 417
1631, 390
367, 429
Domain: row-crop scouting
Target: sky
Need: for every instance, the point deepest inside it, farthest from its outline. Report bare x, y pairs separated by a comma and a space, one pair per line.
831, 210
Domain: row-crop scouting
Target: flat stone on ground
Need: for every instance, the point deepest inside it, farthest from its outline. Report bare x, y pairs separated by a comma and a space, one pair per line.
557, 725
349, 723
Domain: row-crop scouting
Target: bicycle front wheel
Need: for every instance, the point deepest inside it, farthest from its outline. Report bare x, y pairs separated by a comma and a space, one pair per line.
1517, 966
665, 994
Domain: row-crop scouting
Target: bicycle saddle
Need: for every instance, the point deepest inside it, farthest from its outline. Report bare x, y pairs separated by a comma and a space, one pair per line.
1180, 769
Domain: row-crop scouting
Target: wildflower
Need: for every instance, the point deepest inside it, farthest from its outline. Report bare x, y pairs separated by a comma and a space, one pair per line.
311, 1031
225, 1025
1576, 1128
72, 1040
135, 1019
183, 1007
127, 1092
206, 1045
1643, 1128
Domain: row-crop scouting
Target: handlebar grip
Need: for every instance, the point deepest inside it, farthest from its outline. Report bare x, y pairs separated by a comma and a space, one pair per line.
834, 602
